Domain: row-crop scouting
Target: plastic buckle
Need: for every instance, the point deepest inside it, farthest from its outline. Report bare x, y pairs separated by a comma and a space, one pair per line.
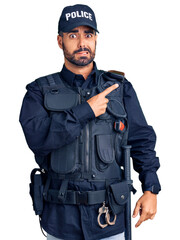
119, 126
81, 198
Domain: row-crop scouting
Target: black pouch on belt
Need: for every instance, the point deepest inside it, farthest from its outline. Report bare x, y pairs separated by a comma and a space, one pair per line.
36, 191
118, 195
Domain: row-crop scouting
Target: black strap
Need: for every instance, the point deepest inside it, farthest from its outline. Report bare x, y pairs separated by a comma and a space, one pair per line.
76, 197
132, 189
55, 79
63, 190
51, 80
46, 188
108, 182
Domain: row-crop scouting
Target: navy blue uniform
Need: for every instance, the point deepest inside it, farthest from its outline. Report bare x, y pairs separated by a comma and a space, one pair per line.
45, 133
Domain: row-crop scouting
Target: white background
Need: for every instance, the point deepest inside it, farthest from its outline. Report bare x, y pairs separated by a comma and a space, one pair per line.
138, 37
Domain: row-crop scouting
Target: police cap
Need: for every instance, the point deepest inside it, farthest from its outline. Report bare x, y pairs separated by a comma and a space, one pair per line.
75, 16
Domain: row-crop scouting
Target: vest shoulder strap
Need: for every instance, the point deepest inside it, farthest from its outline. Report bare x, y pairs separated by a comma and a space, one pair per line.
51, 80
113, 75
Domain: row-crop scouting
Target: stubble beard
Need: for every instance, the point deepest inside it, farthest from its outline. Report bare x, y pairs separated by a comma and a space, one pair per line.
83, 60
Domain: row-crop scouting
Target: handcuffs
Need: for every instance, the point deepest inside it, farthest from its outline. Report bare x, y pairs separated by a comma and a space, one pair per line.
105, 210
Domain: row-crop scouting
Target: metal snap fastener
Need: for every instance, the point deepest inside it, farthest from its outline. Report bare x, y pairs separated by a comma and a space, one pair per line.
122, 197
93, 176
88, 93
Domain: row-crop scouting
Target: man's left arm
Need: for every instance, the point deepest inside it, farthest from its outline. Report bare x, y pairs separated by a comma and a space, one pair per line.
142, 138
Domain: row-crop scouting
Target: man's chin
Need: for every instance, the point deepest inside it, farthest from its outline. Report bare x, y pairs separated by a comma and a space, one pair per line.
83, 61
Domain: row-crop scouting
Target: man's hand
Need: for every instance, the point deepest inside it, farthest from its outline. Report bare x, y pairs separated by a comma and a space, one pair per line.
146, 206
99, 102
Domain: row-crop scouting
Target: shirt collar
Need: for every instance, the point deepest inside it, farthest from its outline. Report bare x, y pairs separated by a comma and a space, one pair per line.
70, 77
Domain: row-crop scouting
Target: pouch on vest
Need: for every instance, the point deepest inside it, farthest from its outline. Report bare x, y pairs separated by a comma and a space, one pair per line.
61, 99
105, 150
36, 191
118, 195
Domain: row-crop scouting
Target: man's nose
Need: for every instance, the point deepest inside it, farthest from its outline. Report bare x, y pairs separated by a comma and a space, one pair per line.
81, 43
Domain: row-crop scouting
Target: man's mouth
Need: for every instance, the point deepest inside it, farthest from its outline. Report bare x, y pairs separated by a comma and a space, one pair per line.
83, 53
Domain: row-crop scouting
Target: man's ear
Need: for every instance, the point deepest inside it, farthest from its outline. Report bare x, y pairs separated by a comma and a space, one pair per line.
59, 40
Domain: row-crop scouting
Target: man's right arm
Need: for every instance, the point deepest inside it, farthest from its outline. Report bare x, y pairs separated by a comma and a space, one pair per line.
46, 132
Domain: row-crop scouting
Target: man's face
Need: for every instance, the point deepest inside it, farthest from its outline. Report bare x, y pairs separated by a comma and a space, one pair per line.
79, 45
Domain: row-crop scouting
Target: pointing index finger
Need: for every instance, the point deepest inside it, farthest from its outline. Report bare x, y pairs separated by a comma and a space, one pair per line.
110, 89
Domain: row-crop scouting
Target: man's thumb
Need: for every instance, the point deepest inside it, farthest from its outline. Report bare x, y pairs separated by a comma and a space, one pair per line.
136, 210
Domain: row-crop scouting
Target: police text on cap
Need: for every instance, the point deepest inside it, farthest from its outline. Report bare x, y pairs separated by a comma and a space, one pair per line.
79, 15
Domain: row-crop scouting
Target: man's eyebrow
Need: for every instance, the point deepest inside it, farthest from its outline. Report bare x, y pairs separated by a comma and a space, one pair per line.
89, 31
73, 31
86, 31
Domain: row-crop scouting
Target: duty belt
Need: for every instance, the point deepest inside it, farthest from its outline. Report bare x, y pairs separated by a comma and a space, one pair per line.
75, 197
64, 196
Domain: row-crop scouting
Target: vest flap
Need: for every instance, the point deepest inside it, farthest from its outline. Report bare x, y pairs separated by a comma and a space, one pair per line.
116, 108
105, 148
56, 101
120, 192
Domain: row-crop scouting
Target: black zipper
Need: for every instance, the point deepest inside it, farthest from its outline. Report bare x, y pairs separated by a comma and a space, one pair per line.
85, 136
86, 165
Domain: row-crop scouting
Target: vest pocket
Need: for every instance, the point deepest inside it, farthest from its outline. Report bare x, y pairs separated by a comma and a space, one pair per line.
63, 160
118, 195
105, 151
59, 101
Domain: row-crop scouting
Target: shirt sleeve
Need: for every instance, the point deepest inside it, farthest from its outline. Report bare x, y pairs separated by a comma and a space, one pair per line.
142, 138
45, 131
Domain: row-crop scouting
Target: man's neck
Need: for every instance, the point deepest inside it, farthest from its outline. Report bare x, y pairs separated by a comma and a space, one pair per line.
83, 70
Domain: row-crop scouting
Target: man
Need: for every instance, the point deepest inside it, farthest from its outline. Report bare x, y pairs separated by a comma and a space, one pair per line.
76, 122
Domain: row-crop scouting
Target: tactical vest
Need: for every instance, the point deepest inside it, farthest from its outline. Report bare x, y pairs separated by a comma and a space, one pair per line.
95, 155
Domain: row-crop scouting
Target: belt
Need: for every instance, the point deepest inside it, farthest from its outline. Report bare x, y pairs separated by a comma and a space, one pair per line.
75, 197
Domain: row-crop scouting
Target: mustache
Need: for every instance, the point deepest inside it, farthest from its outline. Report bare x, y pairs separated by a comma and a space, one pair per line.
82, 50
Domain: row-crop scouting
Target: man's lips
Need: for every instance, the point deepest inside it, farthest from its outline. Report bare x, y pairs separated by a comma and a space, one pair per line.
83, 53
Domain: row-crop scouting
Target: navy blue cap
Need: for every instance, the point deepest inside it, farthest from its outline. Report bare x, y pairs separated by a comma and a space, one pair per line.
75, 16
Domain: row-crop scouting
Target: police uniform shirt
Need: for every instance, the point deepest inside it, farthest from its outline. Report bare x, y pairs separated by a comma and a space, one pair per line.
45, 134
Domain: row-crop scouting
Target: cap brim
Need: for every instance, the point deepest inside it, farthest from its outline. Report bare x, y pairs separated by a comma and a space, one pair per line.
69, 28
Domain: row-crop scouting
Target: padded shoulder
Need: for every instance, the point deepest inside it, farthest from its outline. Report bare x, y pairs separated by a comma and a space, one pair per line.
110, 75
117, 72
43, 81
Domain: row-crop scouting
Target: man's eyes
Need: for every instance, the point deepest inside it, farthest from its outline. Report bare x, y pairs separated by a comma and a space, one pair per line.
88, 35
72, 36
